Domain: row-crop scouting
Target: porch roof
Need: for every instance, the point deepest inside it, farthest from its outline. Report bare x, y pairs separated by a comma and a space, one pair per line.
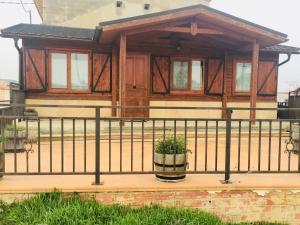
233, 27
46, 31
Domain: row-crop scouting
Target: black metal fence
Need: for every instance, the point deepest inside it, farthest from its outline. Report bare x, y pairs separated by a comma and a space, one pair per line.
105, 145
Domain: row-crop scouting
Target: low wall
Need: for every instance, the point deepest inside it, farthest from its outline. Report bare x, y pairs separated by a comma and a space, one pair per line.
280, 205
211, 113
71, 112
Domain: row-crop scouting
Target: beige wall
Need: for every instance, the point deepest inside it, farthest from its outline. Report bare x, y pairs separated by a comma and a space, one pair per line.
88, 13
186, 113
155, 113
72, 112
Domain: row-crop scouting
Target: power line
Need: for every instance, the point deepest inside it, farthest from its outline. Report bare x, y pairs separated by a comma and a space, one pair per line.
17, 3
26, 11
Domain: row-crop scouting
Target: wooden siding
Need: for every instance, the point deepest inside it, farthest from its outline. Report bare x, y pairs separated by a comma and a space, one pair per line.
219, 73
35, 70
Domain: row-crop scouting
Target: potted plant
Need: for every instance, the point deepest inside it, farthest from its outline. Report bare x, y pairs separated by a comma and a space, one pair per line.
1, 155
14, 134
170, 156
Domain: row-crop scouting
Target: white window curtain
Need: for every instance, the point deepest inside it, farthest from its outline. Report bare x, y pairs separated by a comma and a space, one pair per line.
58, 70
79, 71
243, 77
181, 71
196, 75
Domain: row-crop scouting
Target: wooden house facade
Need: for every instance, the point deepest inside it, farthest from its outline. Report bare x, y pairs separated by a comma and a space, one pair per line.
191, 56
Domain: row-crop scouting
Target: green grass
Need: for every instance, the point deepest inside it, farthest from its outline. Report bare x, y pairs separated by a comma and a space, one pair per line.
54, 209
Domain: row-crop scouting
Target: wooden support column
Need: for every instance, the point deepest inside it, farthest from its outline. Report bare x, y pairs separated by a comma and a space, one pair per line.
122, 73
254, 74
114, 80
226, 84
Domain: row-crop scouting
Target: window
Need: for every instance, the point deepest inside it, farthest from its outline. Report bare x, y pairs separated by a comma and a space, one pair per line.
181, 75
196, 75
59, 70
70, 71
243, 77
79, 71
187, 75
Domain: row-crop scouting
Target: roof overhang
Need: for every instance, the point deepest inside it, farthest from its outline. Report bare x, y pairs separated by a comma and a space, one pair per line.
222, 21
50, 32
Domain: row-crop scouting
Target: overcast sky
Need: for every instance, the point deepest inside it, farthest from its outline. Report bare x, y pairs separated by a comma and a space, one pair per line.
283, 16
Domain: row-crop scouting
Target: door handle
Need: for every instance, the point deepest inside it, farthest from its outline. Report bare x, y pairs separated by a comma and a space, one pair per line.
134, 86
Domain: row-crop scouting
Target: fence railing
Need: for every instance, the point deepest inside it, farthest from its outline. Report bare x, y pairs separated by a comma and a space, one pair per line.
104, 145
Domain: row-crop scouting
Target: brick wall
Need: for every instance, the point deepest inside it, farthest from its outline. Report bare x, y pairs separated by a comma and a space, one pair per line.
231, 205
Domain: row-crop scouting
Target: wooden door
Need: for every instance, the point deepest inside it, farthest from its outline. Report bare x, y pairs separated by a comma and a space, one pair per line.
136, 91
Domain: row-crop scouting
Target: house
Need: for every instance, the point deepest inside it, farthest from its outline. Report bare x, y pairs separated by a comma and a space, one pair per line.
167, 53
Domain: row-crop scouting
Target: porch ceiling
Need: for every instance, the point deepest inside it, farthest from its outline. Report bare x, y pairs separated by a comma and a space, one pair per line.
214, 24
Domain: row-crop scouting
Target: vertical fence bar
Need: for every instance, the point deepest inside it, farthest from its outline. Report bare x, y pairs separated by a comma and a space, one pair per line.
206, 144
131, 147
121, 144
185, 142
84, 145
196, 144
239, 145
279, 145
97, 147
270, 147
153, 143
143, 145
15, 147
73, 143
259, 146
216, 146
51, 148
62, 145
174, 144
39, 145
249, 145
109, 145
228, 146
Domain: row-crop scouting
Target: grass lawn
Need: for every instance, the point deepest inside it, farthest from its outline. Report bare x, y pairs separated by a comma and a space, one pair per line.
54, 209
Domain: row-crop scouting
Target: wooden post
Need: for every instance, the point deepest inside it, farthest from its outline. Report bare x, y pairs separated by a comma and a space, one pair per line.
114, 80
226, 84
122, 73
254, 74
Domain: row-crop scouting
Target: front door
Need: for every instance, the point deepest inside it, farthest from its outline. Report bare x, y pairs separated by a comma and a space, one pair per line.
136, 91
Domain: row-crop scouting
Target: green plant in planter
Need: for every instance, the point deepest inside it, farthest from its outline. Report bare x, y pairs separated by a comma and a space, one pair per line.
2, 139
12, 128
171, 145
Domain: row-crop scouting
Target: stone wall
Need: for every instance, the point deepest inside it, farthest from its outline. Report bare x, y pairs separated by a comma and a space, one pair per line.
88, 13
279, 205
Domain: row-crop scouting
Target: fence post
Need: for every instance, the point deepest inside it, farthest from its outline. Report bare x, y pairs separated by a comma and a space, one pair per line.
97, 147
228, 146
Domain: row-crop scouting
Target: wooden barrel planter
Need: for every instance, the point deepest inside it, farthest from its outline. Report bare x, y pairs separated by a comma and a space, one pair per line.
173, 165
170, 159
14, 139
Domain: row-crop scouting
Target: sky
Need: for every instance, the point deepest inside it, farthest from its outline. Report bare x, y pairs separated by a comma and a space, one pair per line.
282, 16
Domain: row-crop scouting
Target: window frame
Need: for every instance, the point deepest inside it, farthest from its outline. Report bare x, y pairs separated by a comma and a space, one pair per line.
69, 88
189, 89
235, 92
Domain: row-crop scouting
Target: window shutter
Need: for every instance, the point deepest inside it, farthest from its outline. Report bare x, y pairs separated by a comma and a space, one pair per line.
267, 78
160, 74
35, 70
215, 77
102, 73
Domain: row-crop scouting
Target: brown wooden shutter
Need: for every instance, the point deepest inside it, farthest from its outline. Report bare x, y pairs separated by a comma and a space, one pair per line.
35, 70
215, 77
267, 78
160, 74
102, 67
